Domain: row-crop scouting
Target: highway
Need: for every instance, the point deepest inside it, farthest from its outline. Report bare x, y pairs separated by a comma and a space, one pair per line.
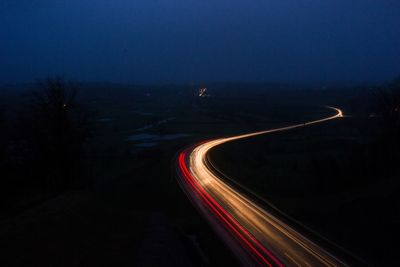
255, 235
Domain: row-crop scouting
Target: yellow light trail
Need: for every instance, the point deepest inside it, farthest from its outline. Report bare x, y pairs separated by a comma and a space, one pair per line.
255, 235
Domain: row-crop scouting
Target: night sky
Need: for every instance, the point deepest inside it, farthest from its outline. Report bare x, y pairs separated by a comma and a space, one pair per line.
160, 41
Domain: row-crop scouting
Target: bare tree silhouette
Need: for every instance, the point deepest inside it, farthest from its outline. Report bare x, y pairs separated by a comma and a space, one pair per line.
387, 144
388, 106
60, 128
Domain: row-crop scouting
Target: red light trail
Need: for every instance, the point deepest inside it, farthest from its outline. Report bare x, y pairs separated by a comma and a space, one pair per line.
255, 235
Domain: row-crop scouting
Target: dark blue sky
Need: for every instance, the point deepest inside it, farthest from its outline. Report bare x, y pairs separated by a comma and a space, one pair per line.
149, 41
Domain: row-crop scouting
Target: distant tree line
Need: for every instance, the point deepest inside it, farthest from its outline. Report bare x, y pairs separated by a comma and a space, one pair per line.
42, 146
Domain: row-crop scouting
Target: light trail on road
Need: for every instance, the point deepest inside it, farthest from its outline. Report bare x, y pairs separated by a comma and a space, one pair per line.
255, 235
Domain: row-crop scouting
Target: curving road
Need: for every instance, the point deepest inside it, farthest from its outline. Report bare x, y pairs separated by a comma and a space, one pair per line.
255, 235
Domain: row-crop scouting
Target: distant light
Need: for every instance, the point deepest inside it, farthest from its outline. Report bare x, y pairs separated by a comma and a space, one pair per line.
202, 92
